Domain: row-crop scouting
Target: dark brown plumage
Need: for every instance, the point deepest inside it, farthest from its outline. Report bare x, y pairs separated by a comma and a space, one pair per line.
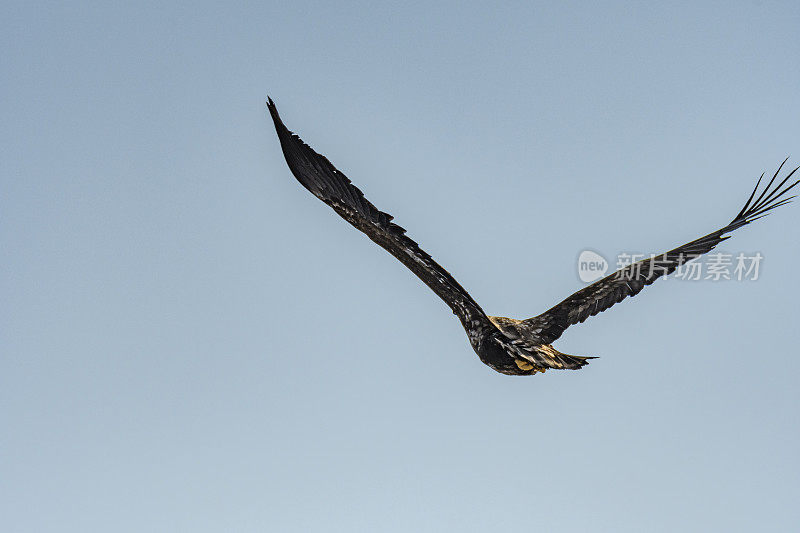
516, 347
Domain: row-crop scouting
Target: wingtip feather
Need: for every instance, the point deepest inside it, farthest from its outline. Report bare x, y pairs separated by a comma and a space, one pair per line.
276, 118
769, 198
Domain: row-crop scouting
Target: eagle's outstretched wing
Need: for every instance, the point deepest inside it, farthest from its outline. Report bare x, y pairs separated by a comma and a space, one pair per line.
319, 176
629, 281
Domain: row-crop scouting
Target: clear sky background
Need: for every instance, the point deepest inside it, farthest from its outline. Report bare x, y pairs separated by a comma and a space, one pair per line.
192, 342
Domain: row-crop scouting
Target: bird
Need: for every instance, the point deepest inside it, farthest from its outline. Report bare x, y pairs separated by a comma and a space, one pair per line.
507, 345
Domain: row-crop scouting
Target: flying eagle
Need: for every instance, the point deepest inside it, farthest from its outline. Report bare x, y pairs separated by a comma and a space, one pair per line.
509, 346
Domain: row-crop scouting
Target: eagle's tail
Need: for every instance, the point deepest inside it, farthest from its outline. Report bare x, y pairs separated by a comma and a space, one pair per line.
556, 359
545, 356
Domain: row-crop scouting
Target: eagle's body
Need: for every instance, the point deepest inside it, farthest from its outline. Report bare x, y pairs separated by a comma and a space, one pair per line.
515, 349
509, 346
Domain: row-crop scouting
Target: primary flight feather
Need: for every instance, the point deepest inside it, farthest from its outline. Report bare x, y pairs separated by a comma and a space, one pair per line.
509, 346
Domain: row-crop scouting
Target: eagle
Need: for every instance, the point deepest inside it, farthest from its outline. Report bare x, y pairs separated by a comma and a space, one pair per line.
507, 345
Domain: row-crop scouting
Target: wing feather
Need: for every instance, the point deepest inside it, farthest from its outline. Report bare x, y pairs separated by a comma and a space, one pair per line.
630, 281
323, 180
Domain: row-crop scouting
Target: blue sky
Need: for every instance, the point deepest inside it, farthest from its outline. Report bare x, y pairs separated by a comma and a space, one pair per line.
192, 342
